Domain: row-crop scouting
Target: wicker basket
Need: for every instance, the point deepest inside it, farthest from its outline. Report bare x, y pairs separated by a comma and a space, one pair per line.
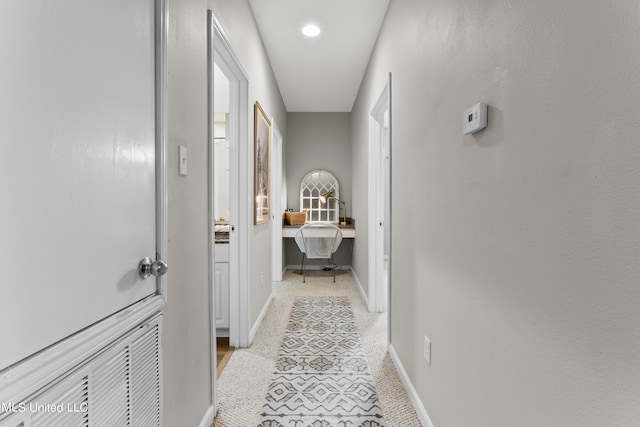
295, 218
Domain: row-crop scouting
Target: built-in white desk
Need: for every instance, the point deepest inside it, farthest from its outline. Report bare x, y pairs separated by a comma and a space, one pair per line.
343, 255
348, 231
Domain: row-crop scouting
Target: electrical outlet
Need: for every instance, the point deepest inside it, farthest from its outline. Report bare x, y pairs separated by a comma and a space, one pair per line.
427, 350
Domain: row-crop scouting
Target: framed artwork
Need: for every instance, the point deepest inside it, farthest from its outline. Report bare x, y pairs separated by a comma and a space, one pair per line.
262, 164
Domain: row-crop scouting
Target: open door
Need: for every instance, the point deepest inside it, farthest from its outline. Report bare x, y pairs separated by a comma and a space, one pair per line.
80, 124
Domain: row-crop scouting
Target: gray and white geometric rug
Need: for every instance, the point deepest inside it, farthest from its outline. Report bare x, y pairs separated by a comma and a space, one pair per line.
322, 377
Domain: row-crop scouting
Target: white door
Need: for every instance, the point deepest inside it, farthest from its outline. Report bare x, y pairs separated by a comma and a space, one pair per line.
221, 282
77, 170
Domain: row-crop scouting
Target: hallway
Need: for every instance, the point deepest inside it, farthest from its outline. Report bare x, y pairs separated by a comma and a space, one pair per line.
243, 384
513, 258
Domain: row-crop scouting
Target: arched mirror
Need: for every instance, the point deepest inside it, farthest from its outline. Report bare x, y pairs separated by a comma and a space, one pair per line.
314, 186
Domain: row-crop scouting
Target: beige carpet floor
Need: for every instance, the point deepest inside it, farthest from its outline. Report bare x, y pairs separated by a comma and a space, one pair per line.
243, 384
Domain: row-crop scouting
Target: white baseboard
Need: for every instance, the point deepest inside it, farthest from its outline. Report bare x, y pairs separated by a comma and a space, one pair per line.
208, 417
363, 294
411, 391
222, 332
256, 326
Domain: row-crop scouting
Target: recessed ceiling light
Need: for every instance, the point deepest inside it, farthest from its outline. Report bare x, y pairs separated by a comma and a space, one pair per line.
311, 30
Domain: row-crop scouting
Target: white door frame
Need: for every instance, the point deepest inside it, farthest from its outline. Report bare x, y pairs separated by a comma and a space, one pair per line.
277, 207
219, 50
378, 293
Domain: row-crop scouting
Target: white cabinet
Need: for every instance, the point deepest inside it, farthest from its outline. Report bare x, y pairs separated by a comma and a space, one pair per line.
221, 285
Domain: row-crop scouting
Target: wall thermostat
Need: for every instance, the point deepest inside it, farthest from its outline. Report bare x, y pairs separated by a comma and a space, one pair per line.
475, 118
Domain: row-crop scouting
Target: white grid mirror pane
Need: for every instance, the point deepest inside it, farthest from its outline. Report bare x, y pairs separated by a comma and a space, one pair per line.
313, 185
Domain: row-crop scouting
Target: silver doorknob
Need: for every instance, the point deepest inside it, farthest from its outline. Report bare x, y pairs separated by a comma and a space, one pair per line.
147, 267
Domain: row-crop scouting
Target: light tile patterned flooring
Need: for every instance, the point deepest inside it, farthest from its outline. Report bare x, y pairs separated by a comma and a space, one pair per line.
243, 385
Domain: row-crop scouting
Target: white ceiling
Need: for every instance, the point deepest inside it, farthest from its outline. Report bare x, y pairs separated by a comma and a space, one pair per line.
323, 73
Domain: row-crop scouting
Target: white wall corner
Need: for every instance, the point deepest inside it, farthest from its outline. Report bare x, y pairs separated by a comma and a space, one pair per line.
360, 288
411, 391
256, 326
207, 420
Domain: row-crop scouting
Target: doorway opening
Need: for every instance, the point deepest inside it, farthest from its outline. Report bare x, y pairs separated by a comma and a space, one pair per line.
229, 200
220, 169
380, 201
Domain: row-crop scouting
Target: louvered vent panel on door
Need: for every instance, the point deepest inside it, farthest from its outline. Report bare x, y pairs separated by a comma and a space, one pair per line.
72, 398
145, 379
111, 392
120, 386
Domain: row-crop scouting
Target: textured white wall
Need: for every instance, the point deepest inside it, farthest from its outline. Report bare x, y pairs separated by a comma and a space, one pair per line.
186, 352
367, 96
516, 249
318, 141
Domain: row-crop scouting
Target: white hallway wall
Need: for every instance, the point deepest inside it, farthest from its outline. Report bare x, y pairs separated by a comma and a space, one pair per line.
319, 141
186, 341
514, 250
187, 358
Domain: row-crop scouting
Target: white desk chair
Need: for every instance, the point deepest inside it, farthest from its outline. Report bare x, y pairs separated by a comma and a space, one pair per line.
318, 240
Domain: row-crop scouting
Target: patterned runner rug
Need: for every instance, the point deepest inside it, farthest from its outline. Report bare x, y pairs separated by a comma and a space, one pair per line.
322, 377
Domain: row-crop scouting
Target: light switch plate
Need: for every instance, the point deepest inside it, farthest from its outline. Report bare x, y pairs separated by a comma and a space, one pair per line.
182, 158
427, 350
475, 118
